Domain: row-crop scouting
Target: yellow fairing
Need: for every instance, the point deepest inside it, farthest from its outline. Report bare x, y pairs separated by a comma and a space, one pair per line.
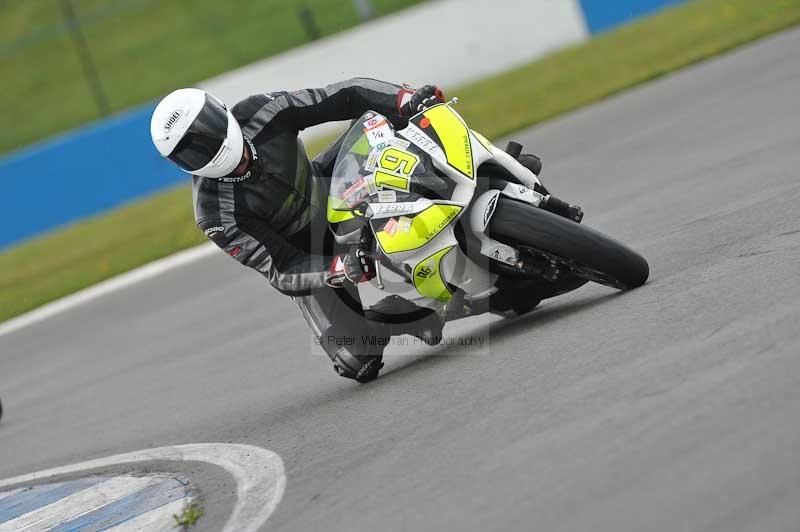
428, 277
424, 227
338, 211
454, 135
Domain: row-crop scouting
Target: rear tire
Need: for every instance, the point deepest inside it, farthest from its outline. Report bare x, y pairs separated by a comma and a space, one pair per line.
591, 254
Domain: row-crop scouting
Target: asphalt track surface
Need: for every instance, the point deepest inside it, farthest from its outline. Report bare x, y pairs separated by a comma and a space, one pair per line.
672, 407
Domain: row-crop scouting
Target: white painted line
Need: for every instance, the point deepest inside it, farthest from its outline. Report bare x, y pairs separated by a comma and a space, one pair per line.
259, 474
77, 504
157, 520
119, 282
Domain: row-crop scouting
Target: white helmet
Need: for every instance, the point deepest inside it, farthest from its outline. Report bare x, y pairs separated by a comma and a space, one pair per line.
197, 132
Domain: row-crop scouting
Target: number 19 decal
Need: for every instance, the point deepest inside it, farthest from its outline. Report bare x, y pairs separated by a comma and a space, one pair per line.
395, 169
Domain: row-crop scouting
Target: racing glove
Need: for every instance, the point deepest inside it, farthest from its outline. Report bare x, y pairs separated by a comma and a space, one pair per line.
355, 266
423, 98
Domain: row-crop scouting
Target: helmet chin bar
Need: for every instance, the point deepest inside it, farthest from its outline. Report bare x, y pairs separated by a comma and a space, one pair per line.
224, 162
253, 167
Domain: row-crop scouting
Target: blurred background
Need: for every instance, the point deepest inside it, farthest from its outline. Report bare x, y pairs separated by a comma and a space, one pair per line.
88, 197
672, 123
68, 62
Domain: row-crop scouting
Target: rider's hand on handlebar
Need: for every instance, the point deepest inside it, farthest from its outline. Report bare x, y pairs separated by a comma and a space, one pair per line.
423, 98
355, 266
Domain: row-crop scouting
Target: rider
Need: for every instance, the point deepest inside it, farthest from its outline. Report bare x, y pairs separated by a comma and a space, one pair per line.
258, 197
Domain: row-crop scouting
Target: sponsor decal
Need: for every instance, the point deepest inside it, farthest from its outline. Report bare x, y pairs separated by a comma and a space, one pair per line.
372, 161
249, 174
235, 252
212, 231
239, 179
422, 141
378, 134
425, 123
425, 272
354, 194
468, 150
172, 120
391, 226
404, 224
444, 223
392, 208
487, 213
387, 196
399, 143
373, 123
253, 150
370, 186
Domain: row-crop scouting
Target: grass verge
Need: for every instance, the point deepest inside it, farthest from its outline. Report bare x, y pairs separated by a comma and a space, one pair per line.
90, 251
141, 49
188, 518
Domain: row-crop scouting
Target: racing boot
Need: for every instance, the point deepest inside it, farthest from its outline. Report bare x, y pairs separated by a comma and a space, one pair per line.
401, 316
514, 297
518, 297
358, 358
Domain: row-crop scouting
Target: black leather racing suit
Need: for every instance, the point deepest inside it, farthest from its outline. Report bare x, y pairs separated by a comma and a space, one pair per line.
272, 219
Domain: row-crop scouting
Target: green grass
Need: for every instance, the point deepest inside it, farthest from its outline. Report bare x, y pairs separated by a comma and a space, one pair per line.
618, 60
85, 253
188, 517
142, 49
90, 251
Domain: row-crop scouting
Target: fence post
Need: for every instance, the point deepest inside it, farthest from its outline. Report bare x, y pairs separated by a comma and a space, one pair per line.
365, 9
89, 71
308, 22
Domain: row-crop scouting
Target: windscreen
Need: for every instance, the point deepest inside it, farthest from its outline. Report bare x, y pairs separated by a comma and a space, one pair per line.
374, 165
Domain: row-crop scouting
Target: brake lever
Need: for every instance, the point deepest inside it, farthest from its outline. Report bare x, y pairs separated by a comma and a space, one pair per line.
366, 244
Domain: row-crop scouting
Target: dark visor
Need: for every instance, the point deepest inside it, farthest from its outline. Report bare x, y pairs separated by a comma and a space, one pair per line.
204, 137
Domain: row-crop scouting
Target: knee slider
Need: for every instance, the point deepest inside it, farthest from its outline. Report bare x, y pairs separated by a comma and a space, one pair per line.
362, 368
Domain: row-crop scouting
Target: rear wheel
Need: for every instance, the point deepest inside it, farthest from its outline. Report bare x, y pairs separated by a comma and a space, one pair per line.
589, 254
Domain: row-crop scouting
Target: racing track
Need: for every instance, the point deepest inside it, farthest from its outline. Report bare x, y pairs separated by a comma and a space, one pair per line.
673, 407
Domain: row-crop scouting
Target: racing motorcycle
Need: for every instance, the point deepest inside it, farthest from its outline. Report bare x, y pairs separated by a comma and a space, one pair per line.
465, 225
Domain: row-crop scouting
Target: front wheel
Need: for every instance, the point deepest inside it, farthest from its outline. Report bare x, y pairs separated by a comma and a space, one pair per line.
587, 253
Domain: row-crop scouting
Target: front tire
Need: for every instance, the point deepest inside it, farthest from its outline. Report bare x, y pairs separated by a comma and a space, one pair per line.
589, 253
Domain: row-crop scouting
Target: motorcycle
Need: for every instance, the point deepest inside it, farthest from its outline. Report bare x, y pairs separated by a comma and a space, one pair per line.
465, 224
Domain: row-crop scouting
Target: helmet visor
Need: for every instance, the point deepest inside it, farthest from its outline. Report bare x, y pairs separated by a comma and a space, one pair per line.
204, 138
